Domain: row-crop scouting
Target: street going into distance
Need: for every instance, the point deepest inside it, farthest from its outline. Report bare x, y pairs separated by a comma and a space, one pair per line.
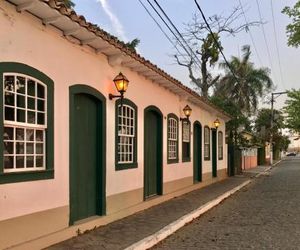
263, 215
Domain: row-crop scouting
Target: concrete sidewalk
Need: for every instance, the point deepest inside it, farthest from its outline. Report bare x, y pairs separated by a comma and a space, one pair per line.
144, 229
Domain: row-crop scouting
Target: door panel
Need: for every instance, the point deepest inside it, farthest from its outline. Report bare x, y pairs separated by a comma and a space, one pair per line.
214, 153
152, 154
85, 180
197, 156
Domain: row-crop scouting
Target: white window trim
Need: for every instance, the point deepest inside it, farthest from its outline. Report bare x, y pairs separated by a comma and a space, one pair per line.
172, 138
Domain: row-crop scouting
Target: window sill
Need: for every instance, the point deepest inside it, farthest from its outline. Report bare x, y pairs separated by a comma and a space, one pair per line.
206, 159
173, 161
126, 166
186, 159
26, 176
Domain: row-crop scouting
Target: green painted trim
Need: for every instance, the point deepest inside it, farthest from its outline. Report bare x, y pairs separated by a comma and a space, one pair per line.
171, 161
208, 129
214, 152
14, 67
85, 89
185, 158
122, 166
199, 177
222, 156
160, 157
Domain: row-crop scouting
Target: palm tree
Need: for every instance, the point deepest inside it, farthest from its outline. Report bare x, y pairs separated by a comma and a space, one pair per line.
246, 85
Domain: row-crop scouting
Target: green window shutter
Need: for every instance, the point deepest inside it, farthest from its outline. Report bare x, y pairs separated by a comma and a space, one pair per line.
186, 141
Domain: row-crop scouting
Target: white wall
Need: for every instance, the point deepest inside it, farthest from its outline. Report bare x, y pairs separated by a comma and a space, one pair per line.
24, 39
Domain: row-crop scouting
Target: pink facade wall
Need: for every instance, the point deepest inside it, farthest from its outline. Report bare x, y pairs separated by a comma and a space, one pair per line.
249, 162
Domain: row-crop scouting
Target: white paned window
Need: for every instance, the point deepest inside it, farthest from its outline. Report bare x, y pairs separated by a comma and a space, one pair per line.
126, 134
220, 145
206, 143
172, 139
25, 116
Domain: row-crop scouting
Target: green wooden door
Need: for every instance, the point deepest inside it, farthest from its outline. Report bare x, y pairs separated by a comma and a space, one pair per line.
214, 152
152, 154
85, 200
197, 152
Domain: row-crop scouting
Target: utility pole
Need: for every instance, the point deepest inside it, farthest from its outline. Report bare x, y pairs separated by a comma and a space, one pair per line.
277, 94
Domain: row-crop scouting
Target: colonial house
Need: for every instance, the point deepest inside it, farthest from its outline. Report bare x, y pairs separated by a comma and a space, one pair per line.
72, 155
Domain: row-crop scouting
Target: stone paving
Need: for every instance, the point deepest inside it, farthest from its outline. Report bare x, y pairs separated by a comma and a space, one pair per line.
125, 232
263, 215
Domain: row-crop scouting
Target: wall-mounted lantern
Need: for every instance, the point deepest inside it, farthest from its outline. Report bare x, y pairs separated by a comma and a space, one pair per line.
121, 83
217, 123
187, 112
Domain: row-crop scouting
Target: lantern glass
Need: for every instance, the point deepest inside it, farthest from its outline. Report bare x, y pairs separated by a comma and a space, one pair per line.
187, 111
217, 123
121, 83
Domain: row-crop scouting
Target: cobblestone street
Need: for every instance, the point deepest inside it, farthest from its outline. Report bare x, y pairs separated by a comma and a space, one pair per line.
264, 215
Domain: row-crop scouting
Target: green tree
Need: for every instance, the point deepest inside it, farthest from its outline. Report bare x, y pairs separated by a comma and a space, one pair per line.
292, 110
67, 3
133, 44
246, 85
293, 29
203, 46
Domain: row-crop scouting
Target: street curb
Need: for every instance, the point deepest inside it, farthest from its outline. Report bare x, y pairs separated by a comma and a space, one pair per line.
276, 163
155, 238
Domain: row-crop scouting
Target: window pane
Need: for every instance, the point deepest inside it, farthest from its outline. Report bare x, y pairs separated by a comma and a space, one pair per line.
29, 134
8, 147
21, 101
20, 161
20, 134
29, 162
39, 135
20, 148
9, 83
20, 84
29, 148
39, 148
9, 98
20, 115
41, 105
31, 117
9, 114
8, 133
40, 118
8, 162
39, 162
31, 87
30, 103
40, 91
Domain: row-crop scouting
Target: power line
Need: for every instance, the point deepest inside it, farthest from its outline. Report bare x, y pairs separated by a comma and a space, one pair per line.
181, 36
176, 37
215, 40
250, 33
161, 29
276, 43
265, 38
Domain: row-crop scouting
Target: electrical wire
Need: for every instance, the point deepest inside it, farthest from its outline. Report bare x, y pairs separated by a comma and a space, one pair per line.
276, 43
265, 38
175, 36
177, 31
250, 33
161, 29
215, 40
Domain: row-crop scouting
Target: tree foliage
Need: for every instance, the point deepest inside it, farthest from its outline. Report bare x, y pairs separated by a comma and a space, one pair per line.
246, 85
293, 29
204, 50
67, 3
292, 110
133, 44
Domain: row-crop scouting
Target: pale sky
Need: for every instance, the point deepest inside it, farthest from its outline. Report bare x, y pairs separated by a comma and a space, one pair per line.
127, 20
